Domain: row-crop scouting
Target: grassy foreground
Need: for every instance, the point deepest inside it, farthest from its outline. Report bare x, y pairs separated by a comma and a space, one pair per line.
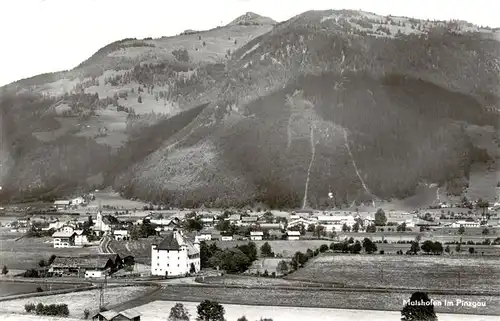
321, 299
429, 272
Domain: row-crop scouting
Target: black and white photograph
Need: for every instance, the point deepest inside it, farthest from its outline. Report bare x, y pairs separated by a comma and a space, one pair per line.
250, 160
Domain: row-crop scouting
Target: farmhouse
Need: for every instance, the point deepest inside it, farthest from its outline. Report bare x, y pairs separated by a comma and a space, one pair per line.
120, 235
235, 219
336, 222
62, 204
301, 221
458, 224
66, 228
293, 235
208, 221
203, 236
175, 256
256, 235
110, 315
272, 226
80, 238
90, 266
63, 239
248, 220
226, 237
168, 224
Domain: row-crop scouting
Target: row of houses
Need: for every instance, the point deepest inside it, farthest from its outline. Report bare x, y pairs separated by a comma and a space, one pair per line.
61, 205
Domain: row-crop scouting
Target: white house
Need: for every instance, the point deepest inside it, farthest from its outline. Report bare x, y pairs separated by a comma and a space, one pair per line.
208, 221
293, 235
203, 236
458, 224
226, 237
78, 201
80, 238
63, 239
66, 228
120, 235
175, 256
54, 225
335, 222
256, 235
301, 221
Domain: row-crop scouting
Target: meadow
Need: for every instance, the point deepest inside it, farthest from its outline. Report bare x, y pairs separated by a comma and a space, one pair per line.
255, 281
288, 248
428, 272
13, 288
158, 310
313, 298
27, 252
79, 301
282, 247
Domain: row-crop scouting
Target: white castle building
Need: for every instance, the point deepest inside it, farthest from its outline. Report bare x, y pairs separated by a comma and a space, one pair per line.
175, 256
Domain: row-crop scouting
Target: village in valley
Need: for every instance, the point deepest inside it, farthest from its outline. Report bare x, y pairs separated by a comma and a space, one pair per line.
102, 240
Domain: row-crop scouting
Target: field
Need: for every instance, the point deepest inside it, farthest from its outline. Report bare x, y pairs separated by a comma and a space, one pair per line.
319, 299
158, 310
285, 248
27, 252
429, 272
261, 265
77, 302
13, 288
115, 200
288, 248
255, 281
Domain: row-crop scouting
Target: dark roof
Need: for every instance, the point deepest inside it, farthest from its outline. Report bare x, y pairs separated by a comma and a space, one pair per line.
169, 243
85, 261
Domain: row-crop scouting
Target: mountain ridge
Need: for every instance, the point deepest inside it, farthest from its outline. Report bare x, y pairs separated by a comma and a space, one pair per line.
284, 114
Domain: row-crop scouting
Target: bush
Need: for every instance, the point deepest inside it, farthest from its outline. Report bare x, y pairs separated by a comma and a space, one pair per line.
39, 289
5, 270
86, 314
30, 307
52, 309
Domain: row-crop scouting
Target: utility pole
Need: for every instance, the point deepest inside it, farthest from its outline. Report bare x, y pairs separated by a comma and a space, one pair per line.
101, 294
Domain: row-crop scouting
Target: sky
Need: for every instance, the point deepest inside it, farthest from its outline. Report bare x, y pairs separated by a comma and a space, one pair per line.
40, 36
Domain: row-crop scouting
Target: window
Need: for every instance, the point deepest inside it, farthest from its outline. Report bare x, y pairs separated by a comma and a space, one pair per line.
177, 265
168, 264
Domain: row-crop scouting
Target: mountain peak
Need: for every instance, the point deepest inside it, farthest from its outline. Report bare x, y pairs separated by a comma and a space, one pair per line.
251, 18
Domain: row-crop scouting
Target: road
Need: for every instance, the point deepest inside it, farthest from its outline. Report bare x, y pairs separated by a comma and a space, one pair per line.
104, 245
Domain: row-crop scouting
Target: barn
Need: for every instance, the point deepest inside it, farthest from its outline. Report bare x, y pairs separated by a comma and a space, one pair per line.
110, 315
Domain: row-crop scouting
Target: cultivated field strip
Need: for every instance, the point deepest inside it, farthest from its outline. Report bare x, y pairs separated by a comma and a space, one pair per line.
321, 299
418, 272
